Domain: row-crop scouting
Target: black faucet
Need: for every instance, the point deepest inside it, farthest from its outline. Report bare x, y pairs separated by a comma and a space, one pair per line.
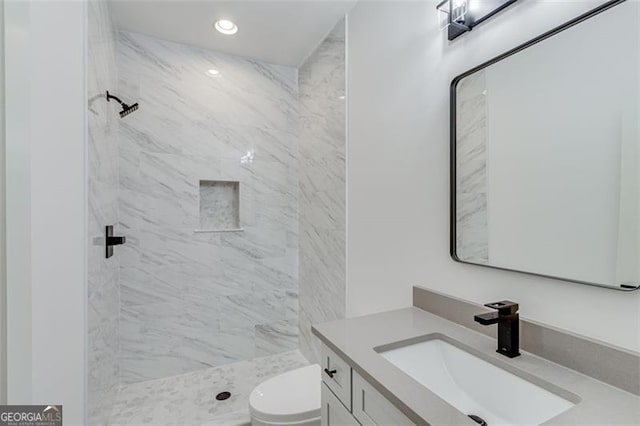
507, 319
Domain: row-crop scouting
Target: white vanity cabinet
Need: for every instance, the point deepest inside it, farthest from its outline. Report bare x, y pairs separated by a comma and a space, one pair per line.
370, 408
336, 374
333, 412
348, 399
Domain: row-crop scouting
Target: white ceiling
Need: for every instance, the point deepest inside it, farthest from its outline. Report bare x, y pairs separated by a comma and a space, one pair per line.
277, 31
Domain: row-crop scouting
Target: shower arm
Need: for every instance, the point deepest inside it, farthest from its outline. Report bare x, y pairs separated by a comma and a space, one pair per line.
110, 96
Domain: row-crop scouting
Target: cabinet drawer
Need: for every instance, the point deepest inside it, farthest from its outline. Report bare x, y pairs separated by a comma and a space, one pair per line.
371, 408
333, 412
336, 374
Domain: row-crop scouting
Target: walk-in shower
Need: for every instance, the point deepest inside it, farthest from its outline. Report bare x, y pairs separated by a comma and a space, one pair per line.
227, 261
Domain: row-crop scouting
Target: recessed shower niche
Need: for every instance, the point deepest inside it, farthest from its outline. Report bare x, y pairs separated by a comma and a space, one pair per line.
219, 205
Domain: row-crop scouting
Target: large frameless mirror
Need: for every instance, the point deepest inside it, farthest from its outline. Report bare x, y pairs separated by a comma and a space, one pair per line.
545, 154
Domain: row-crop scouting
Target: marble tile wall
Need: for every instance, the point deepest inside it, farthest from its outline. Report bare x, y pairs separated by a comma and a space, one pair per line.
102, 210
472, 233
197, 300
322, 188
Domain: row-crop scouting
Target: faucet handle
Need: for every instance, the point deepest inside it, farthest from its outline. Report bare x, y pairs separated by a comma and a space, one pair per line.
504, 307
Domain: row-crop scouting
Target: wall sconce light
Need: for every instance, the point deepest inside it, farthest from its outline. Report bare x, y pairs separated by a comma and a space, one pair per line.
460, 16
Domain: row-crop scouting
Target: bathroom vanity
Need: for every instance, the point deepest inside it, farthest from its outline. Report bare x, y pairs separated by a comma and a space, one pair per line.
402, 367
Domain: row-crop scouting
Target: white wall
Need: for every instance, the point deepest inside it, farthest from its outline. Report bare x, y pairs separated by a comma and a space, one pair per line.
45, 54
18, 238
3, 269
399, 70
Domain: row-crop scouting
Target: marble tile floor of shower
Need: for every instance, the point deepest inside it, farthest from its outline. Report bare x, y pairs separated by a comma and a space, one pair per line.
190, 399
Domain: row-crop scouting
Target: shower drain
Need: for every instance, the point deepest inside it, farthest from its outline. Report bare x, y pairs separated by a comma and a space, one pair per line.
223, 395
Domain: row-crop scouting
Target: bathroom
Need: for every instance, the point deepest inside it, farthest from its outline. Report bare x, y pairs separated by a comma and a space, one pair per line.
291, 212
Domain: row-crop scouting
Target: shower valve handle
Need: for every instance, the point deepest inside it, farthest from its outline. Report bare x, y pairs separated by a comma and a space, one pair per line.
111, 240
116, 241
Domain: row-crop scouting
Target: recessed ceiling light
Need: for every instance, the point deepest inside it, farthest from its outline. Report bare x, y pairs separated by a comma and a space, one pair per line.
225, 26
213, 72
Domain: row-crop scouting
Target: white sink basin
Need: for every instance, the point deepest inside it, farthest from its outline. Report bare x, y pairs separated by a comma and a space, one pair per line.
475, 386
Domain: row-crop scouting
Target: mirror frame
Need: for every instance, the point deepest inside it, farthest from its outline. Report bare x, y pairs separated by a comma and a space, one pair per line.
453, 144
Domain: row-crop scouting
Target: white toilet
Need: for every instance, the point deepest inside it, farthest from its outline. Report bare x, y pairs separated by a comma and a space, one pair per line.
291, 399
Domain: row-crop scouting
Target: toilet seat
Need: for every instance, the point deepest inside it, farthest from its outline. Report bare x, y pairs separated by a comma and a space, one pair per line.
289, 398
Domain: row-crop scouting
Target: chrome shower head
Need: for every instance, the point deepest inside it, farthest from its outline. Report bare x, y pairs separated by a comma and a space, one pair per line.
126, 109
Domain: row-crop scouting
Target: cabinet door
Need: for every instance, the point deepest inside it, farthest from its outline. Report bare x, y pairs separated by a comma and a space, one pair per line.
333, 412
370, 408
336, 373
